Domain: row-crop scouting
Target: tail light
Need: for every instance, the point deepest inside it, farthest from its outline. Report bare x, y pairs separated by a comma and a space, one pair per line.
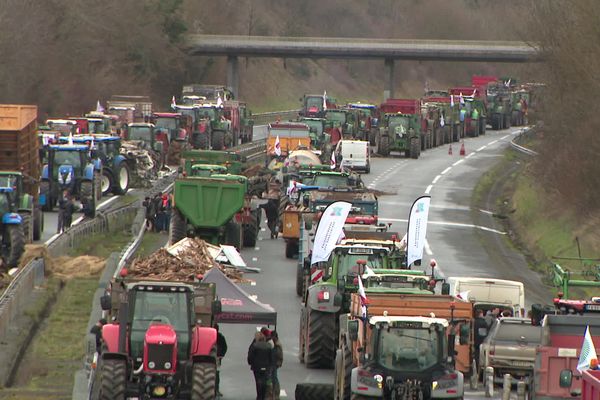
323, 296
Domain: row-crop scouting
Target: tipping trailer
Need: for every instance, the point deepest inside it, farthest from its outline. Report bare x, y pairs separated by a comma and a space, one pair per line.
20, 210
130, 108
160, 342
590, 385
387, 353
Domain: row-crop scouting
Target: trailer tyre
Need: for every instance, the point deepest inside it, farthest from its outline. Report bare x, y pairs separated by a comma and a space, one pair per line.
291, 249
177, 227
113, 376
204, 376
383, 147
313, 391
122, 175
320, 339
233, 234
38, 223
218, 140
345, 366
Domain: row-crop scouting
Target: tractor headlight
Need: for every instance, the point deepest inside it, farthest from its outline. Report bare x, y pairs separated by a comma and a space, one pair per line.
167, 365
151, 365
159, 391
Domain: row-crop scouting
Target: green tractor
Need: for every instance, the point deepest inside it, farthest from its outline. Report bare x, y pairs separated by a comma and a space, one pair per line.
345, 120
400, 132
213, 128
319, 138
520, 101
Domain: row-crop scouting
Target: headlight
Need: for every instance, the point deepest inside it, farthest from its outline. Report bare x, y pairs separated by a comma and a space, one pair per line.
167, 365
151, 365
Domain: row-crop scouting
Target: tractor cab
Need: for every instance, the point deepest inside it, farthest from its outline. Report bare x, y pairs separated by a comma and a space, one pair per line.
175, 124
145, 133
66, 160
66, 127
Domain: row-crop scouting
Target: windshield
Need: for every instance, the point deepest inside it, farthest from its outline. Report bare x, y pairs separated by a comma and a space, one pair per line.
347, 262
95, 127
407, 349
314, 102
61, 127
335, 116
166, 307
399, 125
513, 333
208, 113
140, 133
8, 181
329, 181
166, 123
67, 158
367, 208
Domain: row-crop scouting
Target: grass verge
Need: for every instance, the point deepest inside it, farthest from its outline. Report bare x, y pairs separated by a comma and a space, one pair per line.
101, 245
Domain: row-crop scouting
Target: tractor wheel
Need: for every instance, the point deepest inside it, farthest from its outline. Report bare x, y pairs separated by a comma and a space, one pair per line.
218, 140
45, 188
113, 380
38, 223
204, 377
200, 140
233, 234
177, 227
106, 182
415, 148
14, 245
313, 391
291, 249
251, 231
299, 279
87, 192
98, 186
302, 335
27, 223
122, 175
383, 147
482, 125
320, 340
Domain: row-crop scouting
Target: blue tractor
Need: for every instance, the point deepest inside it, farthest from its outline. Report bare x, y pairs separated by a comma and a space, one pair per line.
71, 167
12, 227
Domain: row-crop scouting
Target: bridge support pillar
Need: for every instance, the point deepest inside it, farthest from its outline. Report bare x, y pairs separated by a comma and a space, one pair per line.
388, 92
233, 75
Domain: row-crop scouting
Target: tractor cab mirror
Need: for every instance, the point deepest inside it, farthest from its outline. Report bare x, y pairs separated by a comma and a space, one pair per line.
445, 288
353, 330
464, 334
566, 378
216, 307
105, 302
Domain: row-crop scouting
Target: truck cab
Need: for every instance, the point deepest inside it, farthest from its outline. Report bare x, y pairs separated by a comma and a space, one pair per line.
488, 293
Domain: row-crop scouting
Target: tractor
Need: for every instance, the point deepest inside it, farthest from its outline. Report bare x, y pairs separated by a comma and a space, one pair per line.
70, 167
26, 203
161, 343
150, 138
12, 224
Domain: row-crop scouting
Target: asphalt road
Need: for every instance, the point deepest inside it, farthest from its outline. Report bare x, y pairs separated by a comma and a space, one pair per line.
459, 247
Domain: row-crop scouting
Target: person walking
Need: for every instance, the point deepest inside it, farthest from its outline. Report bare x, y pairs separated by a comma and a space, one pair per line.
221, 351
271, 208
62, 201
278, 359
260, 359
68, 212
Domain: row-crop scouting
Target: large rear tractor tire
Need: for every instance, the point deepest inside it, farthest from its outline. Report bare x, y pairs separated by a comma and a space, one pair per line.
200, 140
415, 148
313, 391
113, 380
45, 188
250, 233
299, 279
320, 340
87, 192
383, 147
27, 223
98, 186
218, 140
122, 177
233, 234
106, 182
38, 223
204, 377
177, 227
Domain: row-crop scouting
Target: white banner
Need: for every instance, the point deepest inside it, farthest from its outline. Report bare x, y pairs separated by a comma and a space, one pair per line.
417, 229
329, 231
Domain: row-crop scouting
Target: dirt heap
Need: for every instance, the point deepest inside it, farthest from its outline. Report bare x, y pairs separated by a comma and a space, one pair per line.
190, 264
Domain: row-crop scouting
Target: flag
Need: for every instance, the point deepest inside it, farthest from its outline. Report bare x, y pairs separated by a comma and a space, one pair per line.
462, 100
588, 351
442, 122
417, 229
325, 100
451, 100
329, 230
474, 93
173, 103
363, 298
99, 107
277, 146
92, 143
332, 162
464, 296
70, 139
219, 101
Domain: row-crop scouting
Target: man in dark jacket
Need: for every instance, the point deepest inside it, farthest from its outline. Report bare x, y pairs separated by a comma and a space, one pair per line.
261, 360
68, 212
272, 211
221, 351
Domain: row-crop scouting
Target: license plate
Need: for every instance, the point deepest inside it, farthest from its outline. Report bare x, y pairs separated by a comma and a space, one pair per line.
522, 364
592, 307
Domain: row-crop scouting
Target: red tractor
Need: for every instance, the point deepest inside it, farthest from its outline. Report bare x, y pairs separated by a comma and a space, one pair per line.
162, 344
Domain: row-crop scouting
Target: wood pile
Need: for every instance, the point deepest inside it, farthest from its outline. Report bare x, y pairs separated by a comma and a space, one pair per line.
190, 263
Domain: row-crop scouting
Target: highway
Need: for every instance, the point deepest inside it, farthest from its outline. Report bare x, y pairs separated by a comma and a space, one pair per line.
464, 242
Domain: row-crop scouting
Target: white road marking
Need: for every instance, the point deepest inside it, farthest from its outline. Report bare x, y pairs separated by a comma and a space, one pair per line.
428, 248
458, 162
504, 137
428, 189
486, 212
282, 393
446, 170
471, 154
257, 248
437, 178
254, 259
481, 148
446, 223
493, 142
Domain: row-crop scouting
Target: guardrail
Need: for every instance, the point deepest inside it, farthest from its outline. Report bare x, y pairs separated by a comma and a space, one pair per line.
265, 118
524, 133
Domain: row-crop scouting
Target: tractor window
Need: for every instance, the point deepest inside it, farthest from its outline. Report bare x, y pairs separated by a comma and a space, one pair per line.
166, 123
160, 307
67, 158
329, 181
316, 126
407, 349
314, 102
347, 262
399, 125
208, 113
140, 133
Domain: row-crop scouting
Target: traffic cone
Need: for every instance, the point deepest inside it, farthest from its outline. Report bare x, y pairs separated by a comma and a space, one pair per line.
450, 150
462, 149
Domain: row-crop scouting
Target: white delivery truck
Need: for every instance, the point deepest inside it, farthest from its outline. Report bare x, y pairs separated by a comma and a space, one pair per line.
489, 293
353, 155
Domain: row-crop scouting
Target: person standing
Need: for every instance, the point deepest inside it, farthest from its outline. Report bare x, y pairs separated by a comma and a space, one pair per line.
62, 201
158, 214
271, 208
260, 359
481, 332
68, 212
221, 351
148, 206
97, 331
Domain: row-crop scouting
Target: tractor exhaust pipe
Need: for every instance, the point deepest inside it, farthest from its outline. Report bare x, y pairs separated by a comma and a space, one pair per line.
123, 316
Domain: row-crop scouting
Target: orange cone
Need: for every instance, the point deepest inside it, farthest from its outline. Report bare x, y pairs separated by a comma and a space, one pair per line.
462, 149
450, 150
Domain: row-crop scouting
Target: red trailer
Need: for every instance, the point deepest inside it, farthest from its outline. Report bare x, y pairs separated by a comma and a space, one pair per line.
590, 387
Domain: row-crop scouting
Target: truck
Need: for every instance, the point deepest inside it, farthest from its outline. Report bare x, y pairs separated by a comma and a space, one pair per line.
474, 109
489, 293
160, 341
400, 128
21, 215
386, 353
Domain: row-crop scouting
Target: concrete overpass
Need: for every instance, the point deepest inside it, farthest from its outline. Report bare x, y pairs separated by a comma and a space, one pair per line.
387, 50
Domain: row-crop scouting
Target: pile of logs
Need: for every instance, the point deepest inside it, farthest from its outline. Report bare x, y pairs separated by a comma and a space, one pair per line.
189, 265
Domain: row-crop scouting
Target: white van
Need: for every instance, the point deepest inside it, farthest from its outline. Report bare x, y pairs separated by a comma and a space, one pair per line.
354, 155
488, 293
